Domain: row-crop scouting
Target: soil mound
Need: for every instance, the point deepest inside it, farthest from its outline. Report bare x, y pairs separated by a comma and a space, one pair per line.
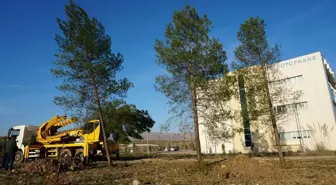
40, 166
241, 166
48, 169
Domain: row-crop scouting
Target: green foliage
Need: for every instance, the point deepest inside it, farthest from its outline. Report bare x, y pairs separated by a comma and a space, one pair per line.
253, 61
85, 62
254, 48
252, 58
125, 120
215, 109
189, 56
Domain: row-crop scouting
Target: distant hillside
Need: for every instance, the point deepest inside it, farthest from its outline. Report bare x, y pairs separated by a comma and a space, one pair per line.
167, 136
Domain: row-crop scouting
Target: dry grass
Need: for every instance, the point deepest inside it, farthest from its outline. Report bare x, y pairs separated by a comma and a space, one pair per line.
233, 170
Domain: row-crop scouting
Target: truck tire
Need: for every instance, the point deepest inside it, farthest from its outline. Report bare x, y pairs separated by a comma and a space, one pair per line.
65, 153
80, 154
18, 158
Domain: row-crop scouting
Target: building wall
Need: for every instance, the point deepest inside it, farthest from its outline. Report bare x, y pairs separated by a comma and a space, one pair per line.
319, 108
218, 145
314, 108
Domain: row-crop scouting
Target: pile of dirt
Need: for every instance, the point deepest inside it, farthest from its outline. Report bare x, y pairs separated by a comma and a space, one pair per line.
46, 168
40, 166
242, 166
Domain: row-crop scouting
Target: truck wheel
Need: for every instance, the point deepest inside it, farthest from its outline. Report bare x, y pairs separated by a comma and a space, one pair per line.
18, 157
65, 159
65, 153
80, 154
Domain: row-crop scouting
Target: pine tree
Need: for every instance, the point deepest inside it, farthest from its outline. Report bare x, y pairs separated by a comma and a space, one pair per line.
191, 59
87, 65
254, 60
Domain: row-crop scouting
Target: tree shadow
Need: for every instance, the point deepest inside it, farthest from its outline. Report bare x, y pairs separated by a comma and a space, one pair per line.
259, 143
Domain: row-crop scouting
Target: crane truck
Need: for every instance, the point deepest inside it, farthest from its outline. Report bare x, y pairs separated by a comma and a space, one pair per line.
46, 140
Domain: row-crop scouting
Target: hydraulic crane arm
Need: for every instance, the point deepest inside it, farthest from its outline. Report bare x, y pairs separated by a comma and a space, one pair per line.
47, 132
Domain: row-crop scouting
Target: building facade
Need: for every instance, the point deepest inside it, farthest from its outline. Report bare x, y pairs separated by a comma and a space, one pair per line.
310, 119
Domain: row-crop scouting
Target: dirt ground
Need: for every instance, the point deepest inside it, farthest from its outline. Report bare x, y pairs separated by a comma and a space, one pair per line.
232, 170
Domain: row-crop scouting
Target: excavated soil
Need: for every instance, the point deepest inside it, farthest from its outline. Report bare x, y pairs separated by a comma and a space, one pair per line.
40, 166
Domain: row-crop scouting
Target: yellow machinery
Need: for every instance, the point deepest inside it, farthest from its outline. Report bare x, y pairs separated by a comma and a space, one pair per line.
46, 134
83, 143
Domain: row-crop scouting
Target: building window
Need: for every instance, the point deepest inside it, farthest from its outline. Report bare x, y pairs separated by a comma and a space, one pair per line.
287, 81
290, 108
247, 136
244, 112
285, 136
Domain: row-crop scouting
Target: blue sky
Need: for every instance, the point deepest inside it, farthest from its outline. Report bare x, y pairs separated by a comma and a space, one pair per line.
27, 45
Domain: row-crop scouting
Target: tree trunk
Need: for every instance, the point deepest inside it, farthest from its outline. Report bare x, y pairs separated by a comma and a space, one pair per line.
102, 125
277, 138
273, 120
194, 109
196, 130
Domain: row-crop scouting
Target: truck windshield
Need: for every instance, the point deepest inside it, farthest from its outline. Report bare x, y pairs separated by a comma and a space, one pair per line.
90, 127
13, 132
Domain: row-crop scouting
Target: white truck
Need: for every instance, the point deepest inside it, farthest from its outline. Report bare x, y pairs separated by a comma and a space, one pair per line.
25, 134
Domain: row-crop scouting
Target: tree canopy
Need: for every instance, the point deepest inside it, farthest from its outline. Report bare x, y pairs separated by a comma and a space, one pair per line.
125, 120
85, 61
254, 48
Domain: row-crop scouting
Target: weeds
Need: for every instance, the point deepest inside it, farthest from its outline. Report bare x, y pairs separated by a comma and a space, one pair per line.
320, 136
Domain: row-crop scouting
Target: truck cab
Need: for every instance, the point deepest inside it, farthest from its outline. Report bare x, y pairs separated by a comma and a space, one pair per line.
24, 134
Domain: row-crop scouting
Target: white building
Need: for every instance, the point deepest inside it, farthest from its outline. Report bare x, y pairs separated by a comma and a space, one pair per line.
308, 125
